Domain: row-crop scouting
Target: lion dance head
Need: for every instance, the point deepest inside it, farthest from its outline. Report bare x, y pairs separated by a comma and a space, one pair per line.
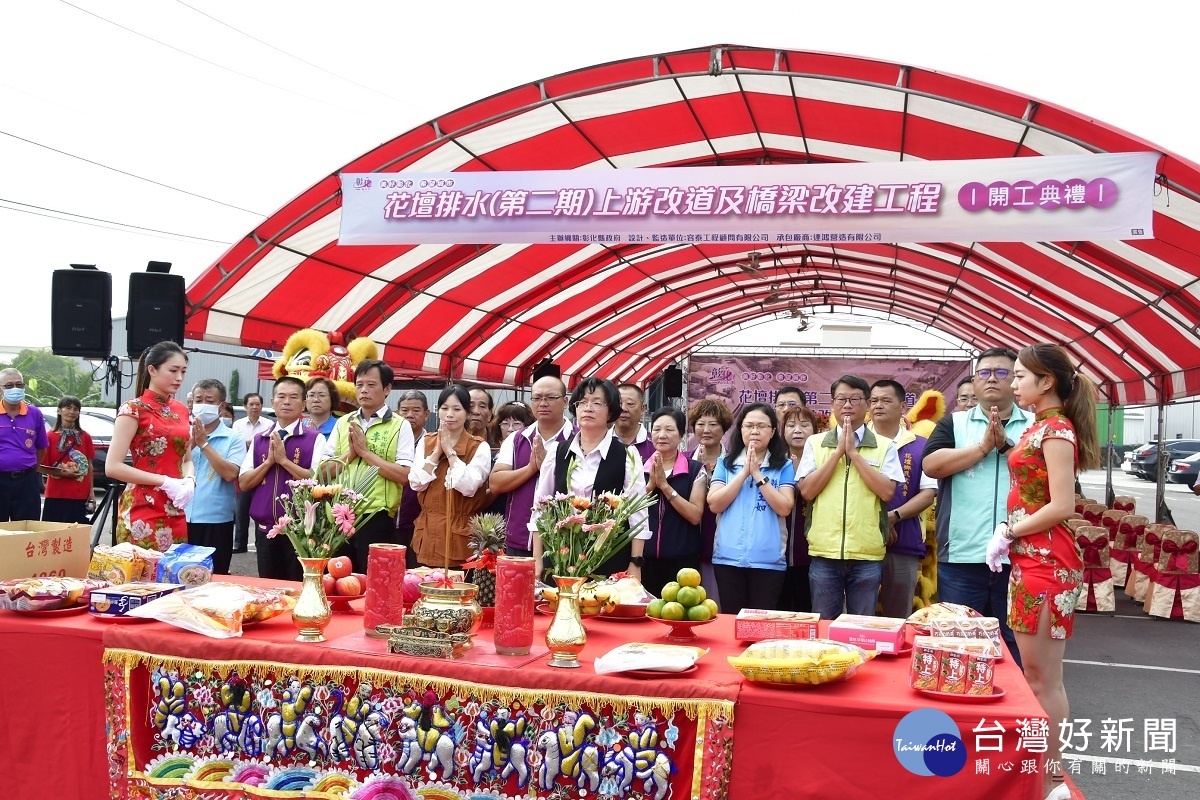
311, 354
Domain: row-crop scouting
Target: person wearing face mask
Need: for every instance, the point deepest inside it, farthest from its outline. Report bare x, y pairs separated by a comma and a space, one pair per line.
72, 451
23, 444
217, 453
226, 414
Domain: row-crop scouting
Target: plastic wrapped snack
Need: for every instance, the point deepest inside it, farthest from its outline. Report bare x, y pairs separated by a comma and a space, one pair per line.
187, 564
46, 594
968, 628
149, 560
922, 617
215, 609
640, 655
800, 661
218, 610
115, 566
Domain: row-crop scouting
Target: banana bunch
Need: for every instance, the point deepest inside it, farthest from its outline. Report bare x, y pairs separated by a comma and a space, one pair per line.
594, 598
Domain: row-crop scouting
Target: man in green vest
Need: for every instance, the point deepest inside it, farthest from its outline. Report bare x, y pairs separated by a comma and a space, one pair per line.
847, 475
373, 436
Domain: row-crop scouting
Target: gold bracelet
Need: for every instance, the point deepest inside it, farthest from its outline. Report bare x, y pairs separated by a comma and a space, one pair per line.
982, 452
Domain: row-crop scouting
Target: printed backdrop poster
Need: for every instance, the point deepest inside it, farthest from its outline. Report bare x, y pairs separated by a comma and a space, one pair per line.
741, 380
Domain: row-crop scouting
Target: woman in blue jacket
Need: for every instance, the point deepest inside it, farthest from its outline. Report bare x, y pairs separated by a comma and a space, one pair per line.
752, 494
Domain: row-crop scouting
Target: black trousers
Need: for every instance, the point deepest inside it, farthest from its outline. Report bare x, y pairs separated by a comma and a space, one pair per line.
276, 557
20, 495
379, 528
60, 509
744, 587
796, 595
242, 522
658, 572
217, 535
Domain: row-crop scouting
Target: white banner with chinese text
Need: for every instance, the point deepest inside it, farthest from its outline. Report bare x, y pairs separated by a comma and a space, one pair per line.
1054, 198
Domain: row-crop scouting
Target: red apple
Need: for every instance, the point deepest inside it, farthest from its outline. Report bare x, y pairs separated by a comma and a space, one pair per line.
329, 582
339, 567
412, 587
349, 585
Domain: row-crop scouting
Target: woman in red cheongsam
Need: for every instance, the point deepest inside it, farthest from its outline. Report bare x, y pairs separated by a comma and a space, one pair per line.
1047, 567
154, 428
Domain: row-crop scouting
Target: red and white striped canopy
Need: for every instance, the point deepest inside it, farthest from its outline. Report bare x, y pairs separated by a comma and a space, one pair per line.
1128, 311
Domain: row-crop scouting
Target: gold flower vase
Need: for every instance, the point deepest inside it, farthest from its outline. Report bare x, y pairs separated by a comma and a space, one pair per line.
312, 612
566, 635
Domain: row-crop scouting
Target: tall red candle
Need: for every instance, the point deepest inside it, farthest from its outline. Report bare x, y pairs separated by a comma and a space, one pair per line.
514, 605
384, 604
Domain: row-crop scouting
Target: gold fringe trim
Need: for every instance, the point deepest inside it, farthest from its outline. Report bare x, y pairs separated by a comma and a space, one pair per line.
698, 756
621, 704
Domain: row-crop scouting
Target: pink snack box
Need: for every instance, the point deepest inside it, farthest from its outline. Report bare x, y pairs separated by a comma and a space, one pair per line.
756, 625
883, 634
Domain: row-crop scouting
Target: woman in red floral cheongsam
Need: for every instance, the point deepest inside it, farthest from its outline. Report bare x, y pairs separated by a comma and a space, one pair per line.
155, 429
1047, 567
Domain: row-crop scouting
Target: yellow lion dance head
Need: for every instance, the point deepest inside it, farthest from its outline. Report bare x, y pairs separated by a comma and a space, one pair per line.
311, 354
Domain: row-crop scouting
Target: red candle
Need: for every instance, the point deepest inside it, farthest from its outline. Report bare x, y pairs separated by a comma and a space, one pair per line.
514, 605
384, 604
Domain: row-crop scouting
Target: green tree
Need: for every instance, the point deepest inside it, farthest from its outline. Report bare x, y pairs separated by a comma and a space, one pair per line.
49, 377
235, 386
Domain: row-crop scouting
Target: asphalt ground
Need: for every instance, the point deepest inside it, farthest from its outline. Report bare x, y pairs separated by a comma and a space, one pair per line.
1128, 666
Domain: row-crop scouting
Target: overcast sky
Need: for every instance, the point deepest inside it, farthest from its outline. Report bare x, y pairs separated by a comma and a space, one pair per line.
244, 127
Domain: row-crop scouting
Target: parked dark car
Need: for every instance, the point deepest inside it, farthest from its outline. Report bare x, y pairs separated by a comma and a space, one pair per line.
1184, 470
1144, 463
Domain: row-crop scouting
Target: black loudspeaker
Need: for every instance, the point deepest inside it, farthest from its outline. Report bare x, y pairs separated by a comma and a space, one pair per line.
546, 367
156, 304
81, 313
672, 381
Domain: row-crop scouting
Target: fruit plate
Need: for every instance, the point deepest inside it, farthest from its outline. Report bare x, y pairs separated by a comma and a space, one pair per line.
119, 619
655, 674
681, 629
544, 608
997, 693
341, 602
49, 612
628, 612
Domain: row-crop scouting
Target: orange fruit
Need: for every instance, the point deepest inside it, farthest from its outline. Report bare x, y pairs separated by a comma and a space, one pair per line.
689, 596
670, 591
700, 613
688, 577
673, 611
655, 608
711, 605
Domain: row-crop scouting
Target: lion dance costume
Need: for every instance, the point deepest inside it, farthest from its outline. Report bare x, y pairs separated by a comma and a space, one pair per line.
922, 417
311, 354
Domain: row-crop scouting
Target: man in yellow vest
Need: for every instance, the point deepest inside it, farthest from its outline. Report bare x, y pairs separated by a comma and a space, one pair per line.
848, 475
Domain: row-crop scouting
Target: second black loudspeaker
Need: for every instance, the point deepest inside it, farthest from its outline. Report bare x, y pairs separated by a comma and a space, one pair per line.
672, 382
156, 308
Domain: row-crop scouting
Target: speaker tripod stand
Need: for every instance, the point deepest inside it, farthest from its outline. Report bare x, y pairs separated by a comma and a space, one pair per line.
107, 505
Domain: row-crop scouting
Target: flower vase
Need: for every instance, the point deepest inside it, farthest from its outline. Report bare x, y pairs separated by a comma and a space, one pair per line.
312, 612
566, 635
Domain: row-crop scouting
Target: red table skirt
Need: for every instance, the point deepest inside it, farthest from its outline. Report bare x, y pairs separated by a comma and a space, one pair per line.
833, 740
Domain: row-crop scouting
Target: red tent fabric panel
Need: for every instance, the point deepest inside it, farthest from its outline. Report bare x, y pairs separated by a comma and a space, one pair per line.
1126, 310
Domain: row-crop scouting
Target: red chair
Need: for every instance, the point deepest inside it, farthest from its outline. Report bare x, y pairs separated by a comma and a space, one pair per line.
1095, 544
1125, 546
1144, 567
1124, 502
1175, 589
1093, 512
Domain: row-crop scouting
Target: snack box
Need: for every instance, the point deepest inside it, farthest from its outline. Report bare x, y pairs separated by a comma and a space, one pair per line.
120, 600
952, 678
980, 673
925, 669
883, 634
967, 628
756, 625
980, 646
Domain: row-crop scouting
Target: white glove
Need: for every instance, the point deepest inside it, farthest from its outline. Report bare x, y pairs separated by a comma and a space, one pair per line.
997, 549
179, 491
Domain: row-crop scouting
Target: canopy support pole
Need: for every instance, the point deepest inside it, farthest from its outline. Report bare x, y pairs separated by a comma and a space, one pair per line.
1110, 450
1161, 512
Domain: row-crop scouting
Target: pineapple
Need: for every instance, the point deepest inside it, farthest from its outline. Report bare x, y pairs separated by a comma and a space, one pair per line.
487, 542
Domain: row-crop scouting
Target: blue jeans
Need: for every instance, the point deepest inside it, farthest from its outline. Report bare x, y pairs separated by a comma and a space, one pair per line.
836, 583
976, 586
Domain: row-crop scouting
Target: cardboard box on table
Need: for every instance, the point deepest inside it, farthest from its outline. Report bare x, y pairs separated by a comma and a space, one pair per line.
32, 549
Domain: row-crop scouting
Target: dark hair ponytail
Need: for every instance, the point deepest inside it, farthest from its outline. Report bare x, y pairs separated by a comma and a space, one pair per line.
1077, 392
154, 356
